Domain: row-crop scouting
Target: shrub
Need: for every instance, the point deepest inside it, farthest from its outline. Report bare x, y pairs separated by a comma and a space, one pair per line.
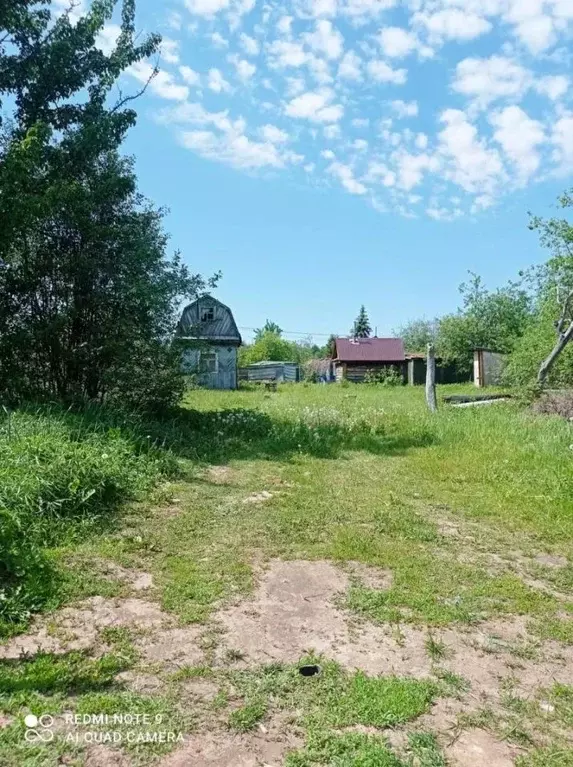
384, 376
61, 474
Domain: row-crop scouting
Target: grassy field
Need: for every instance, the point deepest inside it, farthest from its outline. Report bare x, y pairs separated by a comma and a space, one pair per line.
468, 514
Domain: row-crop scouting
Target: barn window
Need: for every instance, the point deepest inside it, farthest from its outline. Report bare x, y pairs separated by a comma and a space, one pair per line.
208, 362
208, 314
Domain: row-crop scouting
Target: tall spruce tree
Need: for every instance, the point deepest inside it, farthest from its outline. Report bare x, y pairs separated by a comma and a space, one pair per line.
361, 327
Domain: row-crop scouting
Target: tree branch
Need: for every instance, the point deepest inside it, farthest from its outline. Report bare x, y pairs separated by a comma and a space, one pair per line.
126, 99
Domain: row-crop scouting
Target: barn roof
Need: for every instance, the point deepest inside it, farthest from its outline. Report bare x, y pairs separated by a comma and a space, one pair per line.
370, 350
222, 329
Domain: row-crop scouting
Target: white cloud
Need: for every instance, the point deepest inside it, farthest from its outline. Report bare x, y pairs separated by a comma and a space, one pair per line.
245, 70
346, 177
404, 108
350, 67
486, 80
328, 154
189, 75
360, 144
107, 38
470, 163
284, 25
411, 169
519, 137
249, 44
318, 8
331, 132
562, 139
236, 150
286, 53
452, 24
360, 10
170, 50
219, 41
206, 7
294, 86
536, 33
421, 141
552, 86
397, 42
360, 122
162, 84
315, 106
326, 39
216, 82
274, 135
382, 72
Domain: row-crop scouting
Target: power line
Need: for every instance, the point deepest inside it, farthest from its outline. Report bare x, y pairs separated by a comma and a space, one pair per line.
292, 332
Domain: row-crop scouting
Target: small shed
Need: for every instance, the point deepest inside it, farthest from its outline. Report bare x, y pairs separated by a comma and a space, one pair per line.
209, 339
446, 372
270, 370
488, 367
357, 357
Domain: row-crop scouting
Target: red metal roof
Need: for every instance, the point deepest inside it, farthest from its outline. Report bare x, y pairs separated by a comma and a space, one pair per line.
370, 350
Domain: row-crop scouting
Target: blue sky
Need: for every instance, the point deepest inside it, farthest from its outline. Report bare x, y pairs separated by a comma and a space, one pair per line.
328, 153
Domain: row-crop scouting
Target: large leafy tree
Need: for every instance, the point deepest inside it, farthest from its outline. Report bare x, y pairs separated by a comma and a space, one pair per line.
417, 334
87, 292
545, 353
361, 327
493, 320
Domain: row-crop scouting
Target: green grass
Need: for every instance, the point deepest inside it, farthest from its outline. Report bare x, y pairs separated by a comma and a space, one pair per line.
357, 473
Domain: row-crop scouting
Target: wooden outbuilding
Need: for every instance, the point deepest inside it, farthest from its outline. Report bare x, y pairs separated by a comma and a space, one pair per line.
209, 339
356, 358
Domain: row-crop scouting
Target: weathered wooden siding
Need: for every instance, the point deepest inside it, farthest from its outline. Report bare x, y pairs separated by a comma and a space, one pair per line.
225, 374
278, 372
357, 373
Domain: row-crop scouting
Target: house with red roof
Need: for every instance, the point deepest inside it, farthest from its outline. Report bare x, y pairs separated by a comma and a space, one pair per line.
356, 358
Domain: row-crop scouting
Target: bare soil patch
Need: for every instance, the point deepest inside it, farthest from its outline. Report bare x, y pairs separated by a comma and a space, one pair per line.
77, 628
478, 747
268, 745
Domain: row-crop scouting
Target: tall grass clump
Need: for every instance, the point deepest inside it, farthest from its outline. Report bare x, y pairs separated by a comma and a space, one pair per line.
62, 474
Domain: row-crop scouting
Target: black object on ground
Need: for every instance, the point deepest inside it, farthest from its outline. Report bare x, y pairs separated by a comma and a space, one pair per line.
310, 670
455, 398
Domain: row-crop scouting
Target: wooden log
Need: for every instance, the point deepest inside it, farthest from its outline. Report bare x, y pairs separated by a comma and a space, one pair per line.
431, 398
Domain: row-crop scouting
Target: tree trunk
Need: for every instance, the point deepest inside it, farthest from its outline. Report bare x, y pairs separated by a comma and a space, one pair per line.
431, 379
551, 359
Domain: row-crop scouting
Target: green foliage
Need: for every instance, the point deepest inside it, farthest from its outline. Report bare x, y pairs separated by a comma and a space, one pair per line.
551, 283
86, 278
417, 334
247, 717
271, 346
62, 474
389, 376
487, 320
361, 327
73, 672
268, 327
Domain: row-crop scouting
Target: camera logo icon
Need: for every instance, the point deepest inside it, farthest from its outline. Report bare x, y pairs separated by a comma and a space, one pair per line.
39, 728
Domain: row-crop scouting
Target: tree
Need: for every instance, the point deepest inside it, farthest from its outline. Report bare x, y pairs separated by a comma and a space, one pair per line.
88, 293
361, 327
493, 320
417, 334
269, 346
557, 281
330, 348
268, 327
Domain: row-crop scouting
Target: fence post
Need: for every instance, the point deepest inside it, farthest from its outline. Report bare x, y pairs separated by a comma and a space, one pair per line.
431, 379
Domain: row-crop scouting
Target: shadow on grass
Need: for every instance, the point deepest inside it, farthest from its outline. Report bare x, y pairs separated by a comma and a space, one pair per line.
72, 673
247, 434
